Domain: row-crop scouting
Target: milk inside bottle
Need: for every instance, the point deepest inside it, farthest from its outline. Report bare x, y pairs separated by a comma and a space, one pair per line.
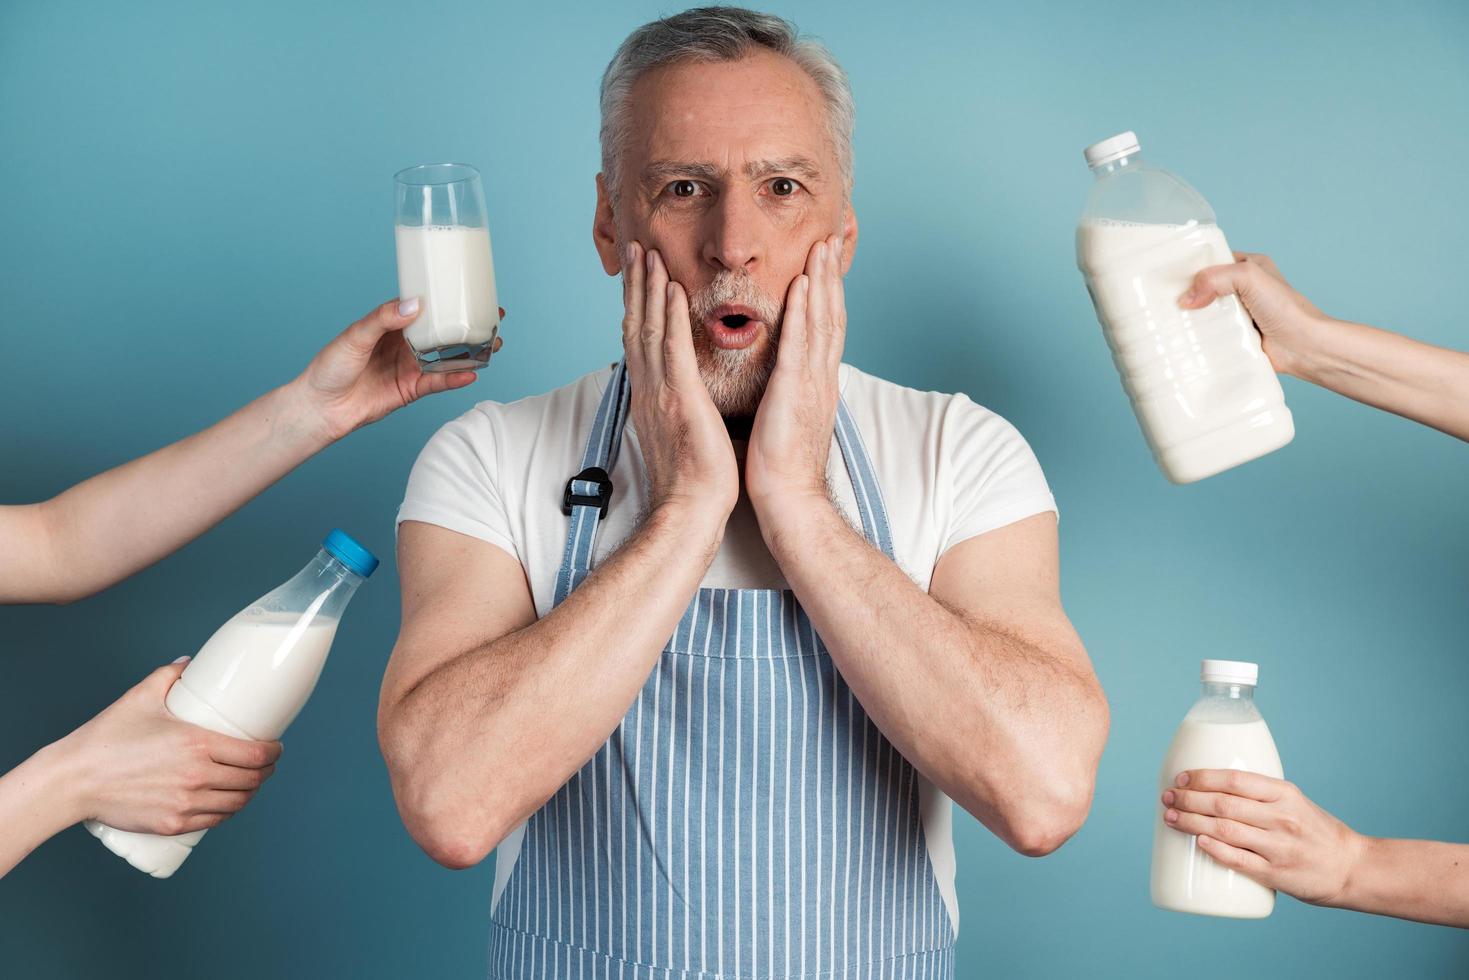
1203, 390
254, 675
1223, 730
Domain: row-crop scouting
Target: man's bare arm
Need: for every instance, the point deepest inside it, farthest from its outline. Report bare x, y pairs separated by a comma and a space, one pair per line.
485, 710
982, 684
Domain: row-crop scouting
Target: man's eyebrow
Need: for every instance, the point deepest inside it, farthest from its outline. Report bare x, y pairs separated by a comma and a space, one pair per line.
661, 171
800, 166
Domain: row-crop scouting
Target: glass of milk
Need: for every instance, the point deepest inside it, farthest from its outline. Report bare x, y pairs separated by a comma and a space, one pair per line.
1203, 390
1223, 730
444, 260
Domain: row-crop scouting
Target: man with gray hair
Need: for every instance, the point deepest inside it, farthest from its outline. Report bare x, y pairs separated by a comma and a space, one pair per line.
704, 644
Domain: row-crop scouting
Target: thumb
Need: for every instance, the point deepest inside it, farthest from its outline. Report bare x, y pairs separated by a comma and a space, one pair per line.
1213, 282
362, 336
160, 679
170, 672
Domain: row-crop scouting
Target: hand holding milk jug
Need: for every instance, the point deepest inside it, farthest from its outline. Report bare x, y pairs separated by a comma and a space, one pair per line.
1223, 730
254, 675
1203, 390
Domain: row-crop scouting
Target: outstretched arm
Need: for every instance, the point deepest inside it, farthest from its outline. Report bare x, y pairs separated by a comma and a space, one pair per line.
1268, 830
1418, 381
118, 522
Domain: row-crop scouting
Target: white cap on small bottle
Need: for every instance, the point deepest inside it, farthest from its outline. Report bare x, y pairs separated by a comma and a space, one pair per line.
1230, 672
1111, 148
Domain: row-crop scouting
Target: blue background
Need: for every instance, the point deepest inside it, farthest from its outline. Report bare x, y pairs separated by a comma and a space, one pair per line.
196, 196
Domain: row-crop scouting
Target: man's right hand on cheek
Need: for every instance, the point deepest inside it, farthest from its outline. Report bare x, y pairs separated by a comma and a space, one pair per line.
686, 449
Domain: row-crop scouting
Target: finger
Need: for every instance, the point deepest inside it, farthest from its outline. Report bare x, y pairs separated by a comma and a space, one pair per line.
1238, 808
678, 338
633, 272
1238, 782
219, 801
1230, 831
155, 686
836, 303
794, 330
220, 777
242, 752
655, 303
431, 383
817, 269
1265, 262
203, 821
392, 315
1239, 859
1215, 281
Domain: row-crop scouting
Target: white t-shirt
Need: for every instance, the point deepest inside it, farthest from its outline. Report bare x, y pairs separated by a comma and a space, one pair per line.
948, 468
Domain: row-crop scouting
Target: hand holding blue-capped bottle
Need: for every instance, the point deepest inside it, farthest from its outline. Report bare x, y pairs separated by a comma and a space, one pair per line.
255, 674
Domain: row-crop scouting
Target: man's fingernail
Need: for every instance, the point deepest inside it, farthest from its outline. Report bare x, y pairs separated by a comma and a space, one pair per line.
649, 259
180, 660
1168, 798
408, 307
1186, 299
1171, 816
1182, 779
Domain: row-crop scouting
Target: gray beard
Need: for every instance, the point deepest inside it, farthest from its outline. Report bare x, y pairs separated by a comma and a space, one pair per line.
736, 379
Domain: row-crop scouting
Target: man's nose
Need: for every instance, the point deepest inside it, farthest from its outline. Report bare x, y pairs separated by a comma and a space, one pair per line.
732, 240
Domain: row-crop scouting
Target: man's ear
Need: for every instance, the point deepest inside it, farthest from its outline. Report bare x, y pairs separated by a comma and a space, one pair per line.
849, 237
604, 231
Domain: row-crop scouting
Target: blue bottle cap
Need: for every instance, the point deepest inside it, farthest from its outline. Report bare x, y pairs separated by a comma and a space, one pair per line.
339, 545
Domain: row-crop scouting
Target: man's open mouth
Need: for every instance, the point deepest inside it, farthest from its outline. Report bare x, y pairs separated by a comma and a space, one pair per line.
732, 326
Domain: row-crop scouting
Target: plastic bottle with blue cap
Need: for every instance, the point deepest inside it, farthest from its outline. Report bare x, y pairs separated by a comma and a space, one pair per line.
254, 675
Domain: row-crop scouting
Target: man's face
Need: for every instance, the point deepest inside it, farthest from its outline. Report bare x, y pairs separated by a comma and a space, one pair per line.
728, 172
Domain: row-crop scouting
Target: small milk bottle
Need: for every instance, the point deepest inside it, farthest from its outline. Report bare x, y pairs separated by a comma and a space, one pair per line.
255, 674
1223, 730
1200, 384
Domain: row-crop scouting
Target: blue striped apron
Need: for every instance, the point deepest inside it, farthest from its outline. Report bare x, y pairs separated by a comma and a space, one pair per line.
745, 820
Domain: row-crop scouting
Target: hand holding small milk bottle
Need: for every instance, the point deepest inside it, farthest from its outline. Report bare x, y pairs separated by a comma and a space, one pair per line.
254, 675
1202, 388
1223, 730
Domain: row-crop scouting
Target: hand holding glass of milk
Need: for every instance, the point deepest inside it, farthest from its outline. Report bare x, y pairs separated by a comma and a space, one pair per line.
444, 260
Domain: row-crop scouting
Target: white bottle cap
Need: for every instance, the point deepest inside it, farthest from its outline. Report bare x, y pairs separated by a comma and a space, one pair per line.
1230, 672
1111, 148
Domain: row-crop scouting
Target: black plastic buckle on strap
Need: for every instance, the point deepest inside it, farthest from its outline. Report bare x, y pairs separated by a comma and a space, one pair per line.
592, 474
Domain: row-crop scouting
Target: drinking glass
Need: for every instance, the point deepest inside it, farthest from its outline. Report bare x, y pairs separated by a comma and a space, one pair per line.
444, 259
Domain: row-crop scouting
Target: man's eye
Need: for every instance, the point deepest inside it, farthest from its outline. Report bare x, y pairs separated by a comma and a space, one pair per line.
684, 188
783, 187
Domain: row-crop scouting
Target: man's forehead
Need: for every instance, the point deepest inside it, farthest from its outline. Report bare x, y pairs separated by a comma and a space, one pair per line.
739, 116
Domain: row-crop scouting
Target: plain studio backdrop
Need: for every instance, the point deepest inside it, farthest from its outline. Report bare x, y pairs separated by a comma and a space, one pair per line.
197, 196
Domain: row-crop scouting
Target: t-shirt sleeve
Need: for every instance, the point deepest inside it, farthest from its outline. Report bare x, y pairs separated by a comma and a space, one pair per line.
454, 483
994, 477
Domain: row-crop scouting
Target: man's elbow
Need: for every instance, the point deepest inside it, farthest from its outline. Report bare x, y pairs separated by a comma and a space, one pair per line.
450, 844
1043, 831
1058, 804
453, 832
453, 829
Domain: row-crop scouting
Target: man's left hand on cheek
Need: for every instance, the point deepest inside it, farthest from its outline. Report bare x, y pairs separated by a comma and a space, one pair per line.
785, 465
